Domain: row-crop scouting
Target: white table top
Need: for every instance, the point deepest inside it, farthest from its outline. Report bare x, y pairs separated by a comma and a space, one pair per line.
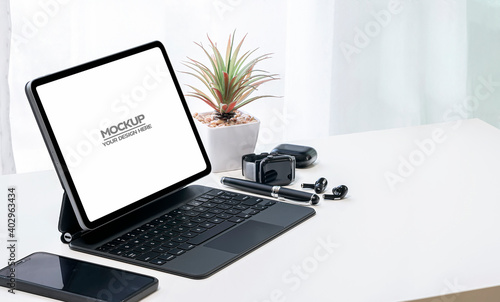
433, 231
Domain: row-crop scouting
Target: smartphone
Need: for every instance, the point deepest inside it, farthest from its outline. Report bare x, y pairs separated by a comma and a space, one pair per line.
68, 279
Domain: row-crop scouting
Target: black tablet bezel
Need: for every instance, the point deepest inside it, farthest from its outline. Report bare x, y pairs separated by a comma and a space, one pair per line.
56, 154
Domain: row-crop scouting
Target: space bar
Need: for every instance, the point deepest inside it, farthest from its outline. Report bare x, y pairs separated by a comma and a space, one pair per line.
211, 233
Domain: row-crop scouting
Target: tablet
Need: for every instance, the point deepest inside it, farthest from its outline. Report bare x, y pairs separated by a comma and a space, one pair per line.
119, 132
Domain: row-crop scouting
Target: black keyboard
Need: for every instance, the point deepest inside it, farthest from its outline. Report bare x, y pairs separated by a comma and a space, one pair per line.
175, 233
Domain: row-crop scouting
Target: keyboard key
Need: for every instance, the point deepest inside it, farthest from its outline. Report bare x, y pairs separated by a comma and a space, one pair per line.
232, 202
197, 220
170, 245
224, 216
195, 203
117, 251
161, 238
170, 234
175, 213
192, 213
160, 249
249, 212
259, 207
180, 229
126, 246
146, 226
111, 244
182, 218
151, 243
211, 233
223, 207
189, 234
155, 232
166, 257
129, 235
233, 211
186, 246
251, 201
173, 222
152, 224
141, 249
215, 211
132, 254
119, 240
179, 239
107, 247
236, 219
158, 261
137, 241
215, 192
187, 207
146, 257
190, 224
216, 220
207, 215
165, 227
145, 237
201, 209
240, 207
241, 197
207, 225
198, 230
176, 252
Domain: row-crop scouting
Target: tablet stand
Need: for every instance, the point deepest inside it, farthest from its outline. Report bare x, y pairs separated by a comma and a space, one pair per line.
68, 224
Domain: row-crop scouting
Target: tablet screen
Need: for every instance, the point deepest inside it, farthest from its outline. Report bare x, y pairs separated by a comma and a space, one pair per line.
123, 130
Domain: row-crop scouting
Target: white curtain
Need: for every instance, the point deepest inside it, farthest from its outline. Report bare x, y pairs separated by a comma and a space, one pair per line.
345, 66
483, 65
7, 164
397, 63
391, 63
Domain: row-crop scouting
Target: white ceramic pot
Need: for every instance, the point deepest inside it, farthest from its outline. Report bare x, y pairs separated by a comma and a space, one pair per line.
226, 145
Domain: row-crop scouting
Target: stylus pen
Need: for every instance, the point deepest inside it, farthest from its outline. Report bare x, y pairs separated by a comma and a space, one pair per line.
268, 190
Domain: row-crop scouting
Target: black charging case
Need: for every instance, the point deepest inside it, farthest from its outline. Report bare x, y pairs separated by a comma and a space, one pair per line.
304, 155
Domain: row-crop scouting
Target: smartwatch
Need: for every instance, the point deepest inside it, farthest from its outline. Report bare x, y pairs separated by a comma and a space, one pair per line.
272, 169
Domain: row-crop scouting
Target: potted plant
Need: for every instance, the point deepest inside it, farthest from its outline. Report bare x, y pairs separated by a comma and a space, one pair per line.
227, 133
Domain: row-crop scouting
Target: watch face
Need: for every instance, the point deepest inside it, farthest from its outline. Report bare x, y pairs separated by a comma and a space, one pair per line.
278, 171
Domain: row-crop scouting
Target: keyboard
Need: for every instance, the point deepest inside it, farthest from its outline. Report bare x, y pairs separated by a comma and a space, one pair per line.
177, 232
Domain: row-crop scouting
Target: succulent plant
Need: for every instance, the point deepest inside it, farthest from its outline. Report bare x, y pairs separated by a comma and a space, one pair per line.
230, 80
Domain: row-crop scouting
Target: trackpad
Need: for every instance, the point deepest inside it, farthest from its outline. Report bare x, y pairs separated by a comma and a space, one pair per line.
245, 236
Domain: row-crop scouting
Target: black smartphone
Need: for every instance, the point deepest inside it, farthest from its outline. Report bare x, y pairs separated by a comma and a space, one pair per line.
70, 279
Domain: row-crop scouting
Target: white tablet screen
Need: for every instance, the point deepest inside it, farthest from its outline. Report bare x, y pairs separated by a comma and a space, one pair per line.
122, 131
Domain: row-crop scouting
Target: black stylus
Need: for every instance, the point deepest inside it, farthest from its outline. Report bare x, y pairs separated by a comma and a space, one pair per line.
268, 190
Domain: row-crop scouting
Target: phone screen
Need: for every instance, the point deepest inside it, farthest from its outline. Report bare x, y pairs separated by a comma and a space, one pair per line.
59, 275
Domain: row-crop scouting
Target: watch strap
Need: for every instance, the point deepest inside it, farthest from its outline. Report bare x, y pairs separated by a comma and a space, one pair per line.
250, 165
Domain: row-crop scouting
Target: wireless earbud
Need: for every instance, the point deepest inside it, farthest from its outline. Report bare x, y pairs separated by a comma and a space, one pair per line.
319, 186
337, 193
